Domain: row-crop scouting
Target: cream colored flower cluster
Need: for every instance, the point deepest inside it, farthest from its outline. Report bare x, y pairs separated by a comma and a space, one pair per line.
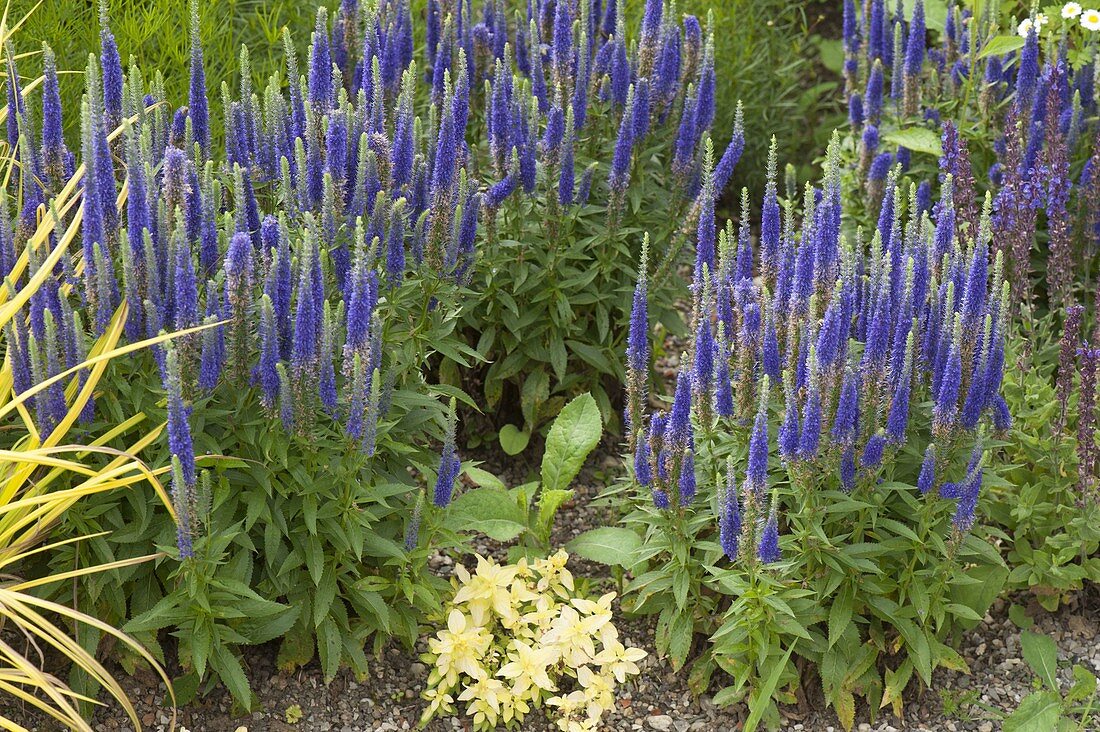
519, 636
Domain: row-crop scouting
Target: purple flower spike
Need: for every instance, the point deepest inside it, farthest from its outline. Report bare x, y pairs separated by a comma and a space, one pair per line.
449, 464
768, 549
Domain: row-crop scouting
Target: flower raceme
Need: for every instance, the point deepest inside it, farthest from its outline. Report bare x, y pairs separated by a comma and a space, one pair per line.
520, 636
870, 329
334, 189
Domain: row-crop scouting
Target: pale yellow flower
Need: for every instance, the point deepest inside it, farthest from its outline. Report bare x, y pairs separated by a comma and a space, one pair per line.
599, 691
542, 614
1090, 20
572, 634
438, 700
488, 589
485, 696
527, 667
1071, 10
460, 647
553, 573
619, 661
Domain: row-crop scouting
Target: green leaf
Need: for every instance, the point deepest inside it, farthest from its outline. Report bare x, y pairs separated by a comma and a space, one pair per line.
679, 639
484, 478
840, 614
1038, 712
1000, 45
513, 440
759, 705
917, 139
575, 432
492, 511
535, 392
611, 545
329, 648
1041, 653
1084, 685
232, 675
1019, 616
549, 503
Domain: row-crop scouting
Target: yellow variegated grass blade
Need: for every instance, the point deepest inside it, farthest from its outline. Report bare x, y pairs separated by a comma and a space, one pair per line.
41, 476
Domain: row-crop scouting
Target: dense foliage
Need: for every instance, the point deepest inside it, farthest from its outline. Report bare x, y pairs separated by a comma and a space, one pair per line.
357, 231
320, 268
1015, 98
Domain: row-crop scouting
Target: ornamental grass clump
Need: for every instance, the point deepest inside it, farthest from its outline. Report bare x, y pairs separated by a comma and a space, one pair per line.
811, 491
522, 636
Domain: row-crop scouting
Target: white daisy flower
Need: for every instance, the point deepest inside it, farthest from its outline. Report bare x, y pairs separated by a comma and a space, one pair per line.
1025, 27
1090, 20
1071, 10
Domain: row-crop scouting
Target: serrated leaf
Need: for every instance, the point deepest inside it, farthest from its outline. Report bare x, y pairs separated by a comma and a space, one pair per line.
611, 545
575, 432
840, 614
845, 705
679, 640
1038, 712
549, 503
329, 648
232, 675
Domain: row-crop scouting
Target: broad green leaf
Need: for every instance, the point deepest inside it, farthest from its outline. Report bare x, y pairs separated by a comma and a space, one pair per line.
575, 432
612, 545
1000, 45
513, 440
1041, 653
484, 478
935, 13
1038, 712
917, 139
491, 511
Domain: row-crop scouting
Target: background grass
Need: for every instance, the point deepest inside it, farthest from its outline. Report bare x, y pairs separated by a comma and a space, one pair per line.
767, 55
